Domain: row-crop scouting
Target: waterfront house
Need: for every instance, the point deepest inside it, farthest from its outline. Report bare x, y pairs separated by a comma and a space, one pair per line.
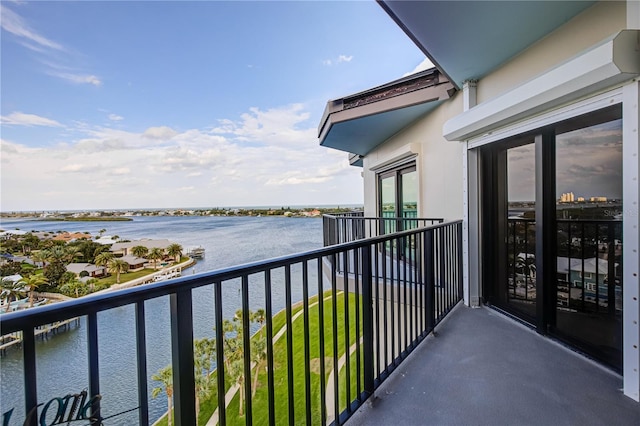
87, 270
123, 249
135, 263
522, 95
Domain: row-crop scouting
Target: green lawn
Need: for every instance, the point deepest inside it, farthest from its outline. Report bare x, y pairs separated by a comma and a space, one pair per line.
111, 279
260, 401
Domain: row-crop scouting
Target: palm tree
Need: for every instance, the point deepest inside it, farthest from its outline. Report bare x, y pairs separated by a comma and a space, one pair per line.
11, 290
165, 377
175, 250
103, 258
32, 283
204, 352
75, 287
139, 251
57, 254
155, 254
41, 256
102, 231
117, 266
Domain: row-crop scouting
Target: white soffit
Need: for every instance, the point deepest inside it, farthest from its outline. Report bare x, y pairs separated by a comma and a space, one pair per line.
614, 61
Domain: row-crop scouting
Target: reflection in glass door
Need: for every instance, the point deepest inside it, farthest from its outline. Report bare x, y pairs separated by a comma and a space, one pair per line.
520, 291
589, 239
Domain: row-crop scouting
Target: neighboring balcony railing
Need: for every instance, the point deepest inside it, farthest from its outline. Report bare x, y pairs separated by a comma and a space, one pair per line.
345, 227
589, 258
314, 361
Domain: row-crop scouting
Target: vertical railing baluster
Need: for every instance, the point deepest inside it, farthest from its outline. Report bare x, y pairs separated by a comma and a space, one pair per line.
367, 319
182, 356
392, 301
287, 295
429, 271
307, 350
141, 356
30, 377
94, 369
357, 279
405, 282
323, 392
334, 312
460, 266
347, 339
246, 353
217, 293
269, 323
385, 307
376, 266
398, 267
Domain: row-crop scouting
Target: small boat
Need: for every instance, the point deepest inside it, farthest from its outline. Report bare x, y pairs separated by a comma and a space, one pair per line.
195, 252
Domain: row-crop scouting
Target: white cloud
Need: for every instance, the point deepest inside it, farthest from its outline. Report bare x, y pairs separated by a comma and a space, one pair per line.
77, 78
76, 168
340, 59
51, 53
264, 157
22, 119
159, 133
14, 24
115, 117
424, 65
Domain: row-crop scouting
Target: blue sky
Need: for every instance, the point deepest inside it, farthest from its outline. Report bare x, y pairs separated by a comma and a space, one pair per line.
175, 104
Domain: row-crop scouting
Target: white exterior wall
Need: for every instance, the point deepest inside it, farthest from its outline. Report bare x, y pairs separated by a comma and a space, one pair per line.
584, 31
438, 163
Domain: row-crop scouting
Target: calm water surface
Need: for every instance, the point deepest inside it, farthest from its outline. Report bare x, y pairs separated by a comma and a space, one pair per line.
228, 241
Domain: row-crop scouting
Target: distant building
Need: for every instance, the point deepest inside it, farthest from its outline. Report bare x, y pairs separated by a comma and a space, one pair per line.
90, 270
598, 199
71, 236
124, 249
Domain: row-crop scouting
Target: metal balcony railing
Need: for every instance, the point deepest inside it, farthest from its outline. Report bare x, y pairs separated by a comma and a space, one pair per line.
345, 227
322, 357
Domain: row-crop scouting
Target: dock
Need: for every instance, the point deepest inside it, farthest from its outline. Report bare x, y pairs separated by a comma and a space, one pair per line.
43, 332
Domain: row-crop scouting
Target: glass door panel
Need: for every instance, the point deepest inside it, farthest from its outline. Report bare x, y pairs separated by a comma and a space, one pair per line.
520, 291
589, 242
388, 203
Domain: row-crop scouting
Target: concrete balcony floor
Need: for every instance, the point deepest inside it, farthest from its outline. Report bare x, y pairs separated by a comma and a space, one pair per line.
483, 368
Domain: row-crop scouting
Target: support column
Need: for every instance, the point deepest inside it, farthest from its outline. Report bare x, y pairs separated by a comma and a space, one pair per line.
470, 275
631, 239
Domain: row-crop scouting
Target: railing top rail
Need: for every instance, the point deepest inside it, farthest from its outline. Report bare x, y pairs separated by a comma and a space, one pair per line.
16, 321
339, 216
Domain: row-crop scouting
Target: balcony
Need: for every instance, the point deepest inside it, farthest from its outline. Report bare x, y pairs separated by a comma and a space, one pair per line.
311, 359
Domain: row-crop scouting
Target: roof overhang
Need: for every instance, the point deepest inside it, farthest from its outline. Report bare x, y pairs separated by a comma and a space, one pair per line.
468, 39
360, 122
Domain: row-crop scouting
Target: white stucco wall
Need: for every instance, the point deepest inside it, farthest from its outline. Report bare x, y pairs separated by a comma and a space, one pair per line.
595, 24
438, 162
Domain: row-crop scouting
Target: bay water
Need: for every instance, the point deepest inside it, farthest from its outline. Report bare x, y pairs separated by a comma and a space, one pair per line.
62, 359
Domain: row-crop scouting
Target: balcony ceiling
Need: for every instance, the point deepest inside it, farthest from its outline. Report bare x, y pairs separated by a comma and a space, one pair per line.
468, 39
360, 122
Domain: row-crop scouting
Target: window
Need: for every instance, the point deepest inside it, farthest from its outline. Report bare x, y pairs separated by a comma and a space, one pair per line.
398, 192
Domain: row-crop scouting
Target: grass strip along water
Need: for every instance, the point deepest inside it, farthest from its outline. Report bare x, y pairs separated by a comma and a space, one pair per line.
260, 400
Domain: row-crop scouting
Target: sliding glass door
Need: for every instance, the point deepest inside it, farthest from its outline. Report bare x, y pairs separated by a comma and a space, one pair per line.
552, 231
